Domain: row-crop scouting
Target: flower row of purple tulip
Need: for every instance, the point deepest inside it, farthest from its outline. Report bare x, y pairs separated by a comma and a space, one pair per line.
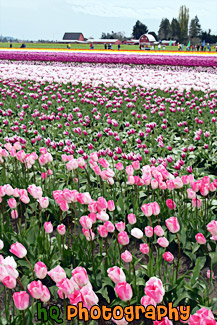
175, 60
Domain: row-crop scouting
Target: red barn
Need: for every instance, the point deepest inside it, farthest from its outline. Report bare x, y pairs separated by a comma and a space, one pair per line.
147, 39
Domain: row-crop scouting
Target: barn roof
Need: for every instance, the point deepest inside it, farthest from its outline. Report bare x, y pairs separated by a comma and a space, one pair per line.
71, 36
150, 37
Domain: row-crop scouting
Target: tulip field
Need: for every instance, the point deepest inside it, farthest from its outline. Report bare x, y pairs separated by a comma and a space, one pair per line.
108, 187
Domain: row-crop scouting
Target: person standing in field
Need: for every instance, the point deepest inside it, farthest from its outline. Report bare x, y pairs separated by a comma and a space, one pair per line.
105, 46
159, 46
119, 46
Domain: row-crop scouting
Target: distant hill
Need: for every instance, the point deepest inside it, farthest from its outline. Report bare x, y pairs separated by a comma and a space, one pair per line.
7, 38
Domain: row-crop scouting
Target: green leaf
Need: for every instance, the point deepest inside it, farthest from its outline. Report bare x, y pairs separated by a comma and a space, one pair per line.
198, 267
213, 257
104, 292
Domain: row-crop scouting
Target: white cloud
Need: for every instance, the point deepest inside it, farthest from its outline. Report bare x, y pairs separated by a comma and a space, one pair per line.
121, 8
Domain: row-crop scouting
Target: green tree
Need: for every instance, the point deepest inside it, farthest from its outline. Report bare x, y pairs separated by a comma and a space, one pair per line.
175, 30
139, 29
113, 35
164, 32
208, 37
183, 23
194, 28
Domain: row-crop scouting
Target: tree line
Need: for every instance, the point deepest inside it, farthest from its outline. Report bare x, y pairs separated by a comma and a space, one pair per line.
179, 29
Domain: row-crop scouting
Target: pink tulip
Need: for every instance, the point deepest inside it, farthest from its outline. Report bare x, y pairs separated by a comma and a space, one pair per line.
101, 204
191, 193
18, 250
8, 190
131, 218
155, 208
48, 227
202, 316
210, 274
131, 180
79, 276
167, 256
120, 226
61, 229
126, 256
200, 239
119, 166
44, 202
123, 238
173, 225
46, 294
40, 270
57, 274
89, 234
120, 322
43, 175
129, 170
14, 214
35, 289
136, 165
170, 204
102, 230
10, 271
86, 222
12, 203
147, 209
154, 184
146, 301
154, 289
158, 230
103, 162
9, 282
148, 231
25, 199
111, 205
124, 291
89, 296
144, 248
163, 242
3, 272
66, 286
21, 300
109, 226
212, 227
116, 274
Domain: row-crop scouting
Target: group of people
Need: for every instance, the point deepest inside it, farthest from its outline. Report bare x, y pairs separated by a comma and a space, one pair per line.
23, 45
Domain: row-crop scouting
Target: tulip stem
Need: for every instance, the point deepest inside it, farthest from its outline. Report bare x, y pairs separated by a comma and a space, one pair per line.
177, 266
24, 321
118, 247
64, 309
150, 221
20, 283
30, 266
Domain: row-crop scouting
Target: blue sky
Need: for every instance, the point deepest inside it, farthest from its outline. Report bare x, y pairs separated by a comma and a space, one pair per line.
49, 19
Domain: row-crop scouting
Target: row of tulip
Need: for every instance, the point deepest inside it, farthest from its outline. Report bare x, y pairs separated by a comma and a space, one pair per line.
117, 58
